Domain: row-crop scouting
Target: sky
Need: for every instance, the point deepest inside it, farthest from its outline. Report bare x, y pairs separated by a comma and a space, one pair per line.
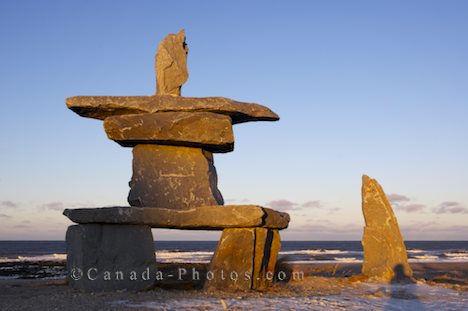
362, 87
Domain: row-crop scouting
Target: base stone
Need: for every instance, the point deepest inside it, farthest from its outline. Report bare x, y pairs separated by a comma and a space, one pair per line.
244, 259
110, 257
173, 177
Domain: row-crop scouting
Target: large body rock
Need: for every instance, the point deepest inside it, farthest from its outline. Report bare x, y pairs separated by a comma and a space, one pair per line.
173, 177
201, 218
244, 259
171, 64
110, 257
210, 131
385, 257
101, 107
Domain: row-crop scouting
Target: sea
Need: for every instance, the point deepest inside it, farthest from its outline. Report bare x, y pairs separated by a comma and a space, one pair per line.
27, 259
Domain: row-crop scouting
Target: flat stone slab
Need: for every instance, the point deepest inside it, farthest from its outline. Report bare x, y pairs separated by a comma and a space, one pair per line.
210, 131
200, 218
101, 107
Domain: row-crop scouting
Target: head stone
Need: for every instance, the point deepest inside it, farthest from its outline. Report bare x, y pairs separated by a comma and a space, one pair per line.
171, 64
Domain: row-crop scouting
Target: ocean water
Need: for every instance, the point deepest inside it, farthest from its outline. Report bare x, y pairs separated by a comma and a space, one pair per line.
291, 251
46, 259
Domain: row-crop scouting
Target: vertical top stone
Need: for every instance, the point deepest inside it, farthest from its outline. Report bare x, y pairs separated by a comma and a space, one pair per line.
171, 64
385, 257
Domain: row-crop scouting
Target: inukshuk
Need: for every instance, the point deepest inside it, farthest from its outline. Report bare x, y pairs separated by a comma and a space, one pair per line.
174, 185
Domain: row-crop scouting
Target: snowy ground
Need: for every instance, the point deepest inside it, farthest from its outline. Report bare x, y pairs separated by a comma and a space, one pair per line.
366, 297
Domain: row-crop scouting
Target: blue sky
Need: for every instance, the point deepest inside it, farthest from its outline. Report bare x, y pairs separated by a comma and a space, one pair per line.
362, 87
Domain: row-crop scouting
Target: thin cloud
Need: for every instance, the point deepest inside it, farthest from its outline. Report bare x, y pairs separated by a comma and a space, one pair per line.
395, 198
53, 206
245, 200
412, 208
9, 204
431, 226
21, 226
327, 228
283, 205
450, 207
403, 203
5, 216
312, 204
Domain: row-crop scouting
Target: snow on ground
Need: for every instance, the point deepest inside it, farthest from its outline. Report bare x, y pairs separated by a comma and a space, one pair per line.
367, 297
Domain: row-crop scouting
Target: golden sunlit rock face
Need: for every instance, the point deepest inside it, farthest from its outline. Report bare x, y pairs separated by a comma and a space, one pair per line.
173, 177
209, 130
101, 107
250, 253
385, 257
171, 64
174, 182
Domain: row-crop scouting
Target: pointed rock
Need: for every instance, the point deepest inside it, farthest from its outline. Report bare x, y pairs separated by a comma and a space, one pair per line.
385, 257
171, 64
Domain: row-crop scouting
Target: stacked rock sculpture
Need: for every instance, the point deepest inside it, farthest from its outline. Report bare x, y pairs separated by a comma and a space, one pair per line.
174, 184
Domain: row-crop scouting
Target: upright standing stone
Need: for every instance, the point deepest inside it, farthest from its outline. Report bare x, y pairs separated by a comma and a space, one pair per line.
173, 177
385, 257
110, 257
171, 64
244, 259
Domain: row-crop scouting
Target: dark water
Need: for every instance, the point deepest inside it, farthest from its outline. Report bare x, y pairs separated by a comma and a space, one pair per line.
200, 251
46, 259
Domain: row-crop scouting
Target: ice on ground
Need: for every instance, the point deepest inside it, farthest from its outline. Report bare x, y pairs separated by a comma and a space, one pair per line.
367, 297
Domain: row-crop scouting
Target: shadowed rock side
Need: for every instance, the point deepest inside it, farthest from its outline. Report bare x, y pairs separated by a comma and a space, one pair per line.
384, 248
174, 177
97, 248
101, 107
210, 131
171, 64
204, 217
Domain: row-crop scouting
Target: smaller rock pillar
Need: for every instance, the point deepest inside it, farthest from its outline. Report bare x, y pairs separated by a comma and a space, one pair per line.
244, 259
385, 257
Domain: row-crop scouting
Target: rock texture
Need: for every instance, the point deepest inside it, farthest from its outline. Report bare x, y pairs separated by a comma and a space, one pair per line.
173, 177
385, 257
171, 64
96, 254
201, 218
210, 131
243, 258
174, 183
101, 107
267, 247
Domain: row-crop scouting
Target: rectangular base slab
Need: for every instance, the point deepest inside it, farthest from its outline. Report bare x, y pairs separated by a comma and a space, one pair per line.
110, 257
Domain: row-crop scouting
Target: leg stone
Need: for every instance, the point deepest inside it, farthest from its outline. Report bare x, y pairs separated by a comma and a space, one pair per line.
110, 257
244, 259
173, 177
